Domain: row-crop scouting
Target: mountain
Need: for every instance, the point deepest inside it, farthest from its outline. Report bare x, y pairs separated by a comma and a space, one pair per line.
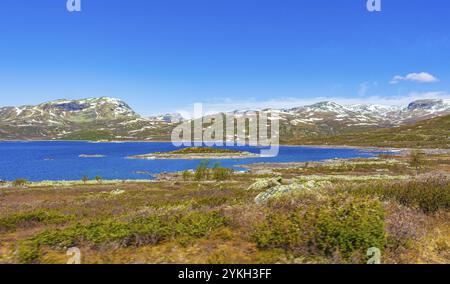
87, 119
329, 118
168, 118
112, 119
372, 115
61, 111
424, 109
430, 133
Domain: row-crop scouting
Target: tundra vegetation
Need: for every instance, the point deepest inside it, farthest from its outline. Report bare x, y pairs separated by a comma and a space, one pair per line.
204, 172
427, 134
316, 213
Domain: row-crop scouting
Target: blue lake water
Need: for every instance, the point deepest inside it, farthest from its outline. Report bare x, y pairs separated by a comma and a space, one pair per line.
59, 160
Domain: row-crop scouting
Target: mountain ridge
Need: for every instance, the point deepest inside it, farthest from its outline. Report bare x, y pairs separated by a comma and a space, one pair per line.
112, 119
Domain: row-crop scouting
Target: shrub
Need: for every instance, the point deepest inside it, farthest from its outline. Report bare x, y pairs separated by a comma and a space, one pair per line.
140, 231
221, 174
405, 227
28, 218
429, 195
187, 175
98, 179
344, 225
20, 182
85, 179
199, 224
416, 160
201, 172
28, 252
211, 201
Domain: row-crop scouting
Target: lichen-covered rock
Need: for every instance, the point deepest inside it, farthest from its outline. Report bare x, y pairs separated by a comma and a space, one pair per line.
275, 192
283, 189
265, 183
324, 178
117, 192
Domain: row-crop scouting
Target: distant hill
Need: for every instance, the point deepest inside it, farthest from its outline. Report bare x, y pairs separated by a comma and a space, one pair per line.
87, 119
329, 118
324, 122
431, 133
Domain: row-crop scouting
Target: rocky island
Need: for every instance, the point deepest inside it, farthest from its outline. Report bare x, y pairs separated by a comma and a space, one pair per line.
91, 156
197, 153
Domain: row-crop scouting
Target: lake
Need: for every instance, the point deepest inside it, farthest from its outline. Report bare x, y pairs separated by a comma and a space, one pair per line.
59, 160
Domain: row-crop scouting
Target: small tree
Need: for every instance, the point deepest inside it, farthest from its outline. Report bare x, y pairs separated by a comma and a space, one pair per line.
20, 182
85, 179
187, 175
202, 170
415, 160
98, 179
219, 173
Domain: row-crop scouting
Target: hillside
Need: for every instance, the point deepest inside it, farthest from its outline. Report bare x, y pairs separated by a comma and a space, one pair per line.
432, 133
329, 118
112, 119
87, 119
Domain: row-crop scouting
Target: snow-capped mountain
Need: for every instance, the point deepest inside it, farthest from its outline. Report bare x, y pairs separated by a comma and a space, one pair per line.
95, 118
168, 117
361, 114
352, 115
63, 111
424, 109
107, 118
330, 118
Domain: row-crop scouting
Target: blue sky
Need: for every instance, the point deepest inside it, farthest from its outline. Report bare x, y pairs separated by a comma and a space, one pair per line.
164, 55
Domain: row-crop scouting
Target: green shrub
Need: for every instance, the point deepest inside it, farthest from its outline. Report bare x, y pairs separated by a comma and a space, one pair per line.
221, 174
59, 238
429, 195
211, 202
416, 160
201, 172
20, 182
199, 224
187, 175
28, 218
341, 224
28, 252
140, 231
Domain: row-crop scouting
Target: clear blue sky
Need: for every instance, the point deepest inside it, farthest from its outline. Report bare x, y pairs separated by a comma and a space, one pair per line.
164, 55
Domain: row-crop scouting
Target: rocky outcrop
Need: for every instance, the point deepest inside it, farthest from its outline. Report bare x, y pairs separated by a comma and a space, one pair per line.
262, 184
280, 190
